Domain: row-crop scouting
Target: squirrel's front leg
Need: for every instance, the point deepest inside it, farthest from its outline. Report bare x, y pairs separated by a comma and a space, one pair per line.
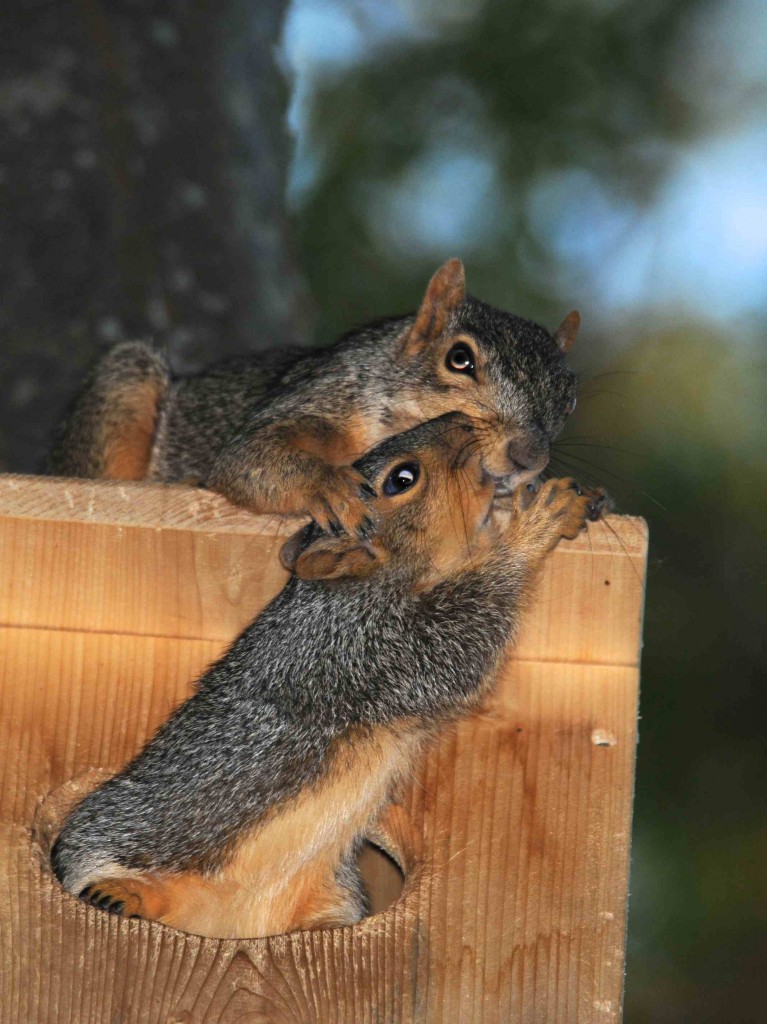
288, 468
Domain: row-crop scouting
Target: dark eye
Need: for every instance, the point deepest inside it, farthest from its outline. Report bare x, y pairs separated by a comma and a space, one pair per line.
402, 477
460, 359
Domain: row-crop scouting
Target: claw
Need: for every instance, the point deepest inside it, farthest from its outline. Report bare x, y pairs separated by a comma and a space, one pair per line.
599, 505
365, 529
596, 508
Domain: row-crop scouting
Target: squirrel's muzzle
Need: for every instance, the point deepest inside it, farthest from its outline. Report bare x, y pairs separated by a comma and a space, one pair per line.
527, 456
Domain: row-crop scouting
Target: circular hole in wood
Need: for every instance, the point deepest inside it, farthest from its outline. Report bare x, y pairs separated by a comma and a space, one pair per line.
384, 879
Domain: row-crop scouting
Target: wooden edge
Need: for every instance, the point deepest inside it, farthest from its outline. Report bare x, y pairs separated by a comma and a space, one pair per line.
131, 503
180, 507
614, 535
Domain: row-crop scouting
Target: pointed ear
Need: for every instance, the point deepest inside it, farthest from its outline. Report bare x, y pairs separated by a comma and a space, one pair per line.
446, 292
333, 558
567, 330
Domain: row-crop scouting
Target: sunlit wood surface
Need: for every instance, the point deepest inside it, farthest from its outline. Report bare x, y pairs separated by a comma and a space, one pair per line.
514, 835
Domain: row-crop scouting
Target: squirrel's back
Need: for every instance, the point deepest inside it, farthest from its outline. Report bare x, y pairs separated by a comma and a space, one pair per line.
246, 427
204, 411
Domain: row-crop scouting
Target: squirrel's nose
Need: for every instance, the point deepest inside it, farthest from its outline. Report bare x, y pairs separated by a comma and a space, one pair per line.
526, 456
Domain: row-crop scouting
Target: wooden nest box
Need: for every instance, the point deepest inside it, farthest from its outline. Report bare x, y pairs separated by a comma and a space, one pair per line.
513, 838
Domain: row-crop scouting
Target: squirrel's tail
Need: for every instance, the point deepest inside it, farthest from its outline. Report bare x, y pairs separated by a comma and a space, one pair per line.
110, 430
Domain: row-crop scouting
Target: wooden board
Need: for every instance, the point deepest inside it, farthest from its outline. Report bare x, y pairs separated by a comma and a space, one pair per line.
514, 835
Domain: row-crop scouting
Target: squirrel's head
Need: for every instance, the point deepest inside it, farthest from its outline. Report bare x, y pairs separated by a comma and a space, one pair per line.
433, 510
506, 372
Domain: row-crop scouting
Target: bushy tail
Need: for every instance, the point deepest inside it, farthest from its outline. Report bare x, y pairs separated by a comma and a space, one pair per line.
110, 430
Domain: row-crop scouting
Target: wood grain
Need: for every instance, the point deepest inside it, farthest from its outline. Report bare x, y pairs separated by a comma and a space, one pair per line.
119, 558
514, 835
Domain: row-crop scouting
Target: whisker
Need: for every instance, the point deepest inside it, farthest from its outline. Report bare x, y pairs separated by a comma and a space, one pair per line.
609, 373
584, 395
570, 443
617, 536
562, 457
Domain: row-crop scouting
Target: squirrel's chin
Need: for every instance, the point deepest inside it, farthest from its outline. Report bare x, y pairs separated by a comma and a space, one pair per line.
506, 485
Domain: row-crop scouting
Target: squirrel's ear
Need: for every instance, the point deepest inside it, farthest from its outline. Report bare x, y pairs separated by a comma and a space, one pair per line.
445, 293
333, 558
567, 330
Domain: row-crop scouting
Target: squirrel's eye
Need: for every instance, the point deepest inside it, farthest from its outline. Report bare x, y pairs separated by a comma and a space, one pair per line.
401, 478
460, 359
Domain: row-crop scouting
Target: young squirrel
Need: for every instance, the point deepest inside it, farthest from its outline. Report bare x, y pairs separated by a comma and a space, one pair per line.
243, 815
278, 431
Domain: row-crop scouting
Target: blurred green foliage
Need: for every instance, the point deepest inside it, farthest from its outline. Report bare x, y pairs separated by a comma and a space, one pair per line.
687, 421
673, 414
536, 87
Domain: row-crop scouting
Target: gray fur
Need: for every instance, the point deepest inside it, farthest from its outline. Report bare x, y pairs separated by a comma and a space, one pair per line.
210, 427
323, 659
212, 417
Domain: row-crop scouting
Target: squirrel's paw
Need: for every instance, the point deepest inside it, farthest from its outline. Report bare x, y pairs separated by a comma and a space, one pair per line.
557, 508
115, 895
337, 503
568, 506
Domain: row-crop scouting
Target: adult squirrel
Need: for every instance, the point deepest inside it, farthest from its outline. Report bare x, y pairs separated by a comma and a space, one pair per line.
278, 431
243, 815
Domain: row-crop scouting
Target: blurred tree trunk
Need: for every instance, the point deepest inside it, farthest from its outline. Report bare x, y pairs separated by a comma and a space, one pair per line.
143, 159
